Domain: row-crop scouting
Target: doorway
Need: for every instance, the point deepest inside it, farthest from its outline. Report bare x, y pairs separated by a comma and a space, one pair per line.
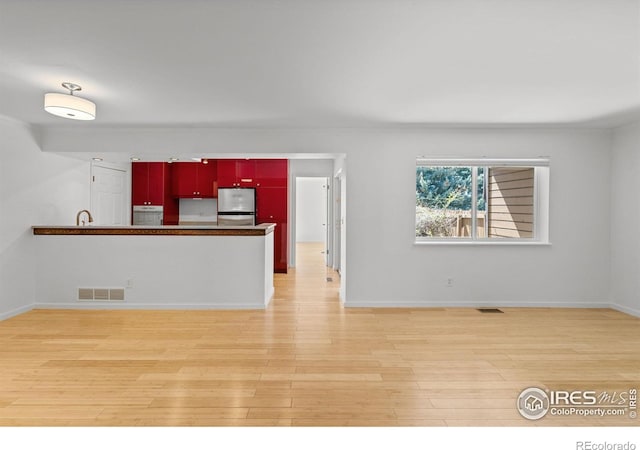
312, 230
312, 212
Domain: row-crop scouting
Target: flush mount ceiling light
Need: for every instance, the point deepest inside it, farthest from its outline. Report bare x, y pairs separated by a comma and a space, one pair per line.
68, 106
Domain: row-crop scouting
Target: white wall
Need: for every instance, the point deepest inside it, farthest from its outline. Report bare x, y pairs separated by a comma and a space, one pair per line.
382, 264
625, 217
311, 209
35, 188
386, 268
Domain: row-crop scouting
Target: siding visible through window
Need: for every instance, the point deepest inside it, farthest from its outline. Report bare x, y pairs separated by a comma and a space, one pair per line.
510, 205
461, 200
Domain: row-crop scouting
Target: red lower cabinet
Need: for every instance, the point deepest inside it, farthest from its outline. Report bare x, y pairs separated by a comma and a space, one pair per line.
280, 260
272, 208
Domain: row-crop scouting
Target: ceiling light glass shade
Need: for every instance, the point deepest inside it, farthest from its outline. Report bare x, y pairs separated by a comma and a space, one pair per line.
69, 106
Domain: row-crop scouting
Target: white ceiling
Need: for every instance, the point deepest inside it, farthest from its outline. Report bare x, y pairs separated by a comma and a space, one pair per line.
325, 62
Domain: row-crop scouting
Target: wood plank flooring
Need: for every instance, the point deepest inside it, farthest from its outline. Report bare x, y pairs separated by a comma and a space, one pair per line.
306, 360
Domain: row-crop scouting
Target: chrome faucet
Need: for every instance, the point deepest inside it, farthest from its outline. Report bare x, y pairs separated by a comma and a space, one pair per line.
80, 213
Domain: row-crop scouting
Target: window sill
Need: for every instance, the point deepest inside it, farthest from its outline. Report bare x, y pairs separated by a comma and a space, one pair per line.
483, 243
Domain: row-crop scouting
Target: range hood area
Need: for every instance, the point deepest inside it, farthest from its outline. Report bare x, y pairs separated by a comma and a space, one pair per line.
198, 211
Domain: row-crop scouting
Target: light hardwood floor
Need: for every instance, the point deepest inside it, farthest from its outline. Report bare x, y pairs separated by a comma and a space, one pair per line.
306, 360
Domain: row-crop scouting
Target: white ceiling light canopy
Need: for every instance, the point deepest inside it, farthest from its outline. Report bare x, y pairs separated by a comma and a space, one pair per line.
69, 106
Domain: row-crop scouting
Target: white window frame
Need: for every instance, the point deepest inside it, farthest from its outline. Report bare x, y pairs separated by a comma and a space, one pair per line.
540, 200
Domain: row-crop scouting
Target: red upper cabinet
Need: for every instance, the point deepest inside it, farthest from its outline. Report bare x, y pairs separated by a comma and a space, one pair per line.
185, 179
194, 179
246, 172
272, 172
159, 175
139, 183
253, 172
208, 179
226, 172
148, 180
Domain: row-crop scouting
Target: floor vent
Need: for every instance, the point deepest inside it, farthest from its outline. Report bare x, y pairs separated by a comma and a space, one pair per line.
101, 294
490, 310
329, 279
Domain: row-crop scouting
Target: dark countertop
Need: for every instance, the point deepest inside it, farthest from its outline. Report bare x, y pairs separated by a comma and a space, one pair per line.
168, 230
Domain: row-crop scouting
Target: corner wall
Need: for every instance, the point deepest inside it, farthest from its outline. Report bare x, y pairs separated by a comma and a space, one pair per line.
35, 188
625, 217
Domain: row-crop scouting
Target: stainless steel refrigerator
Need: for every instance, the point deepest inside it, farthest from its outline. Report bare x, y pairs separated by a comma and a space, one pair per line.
236, 206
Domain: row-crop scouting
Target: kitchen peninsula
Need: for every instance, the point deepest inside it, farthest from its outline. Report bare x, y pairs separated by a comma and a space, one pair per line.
161, 267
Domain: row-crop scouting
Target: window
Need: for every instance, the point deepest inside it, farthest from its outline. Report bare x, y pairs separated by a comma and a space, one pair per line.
482, 200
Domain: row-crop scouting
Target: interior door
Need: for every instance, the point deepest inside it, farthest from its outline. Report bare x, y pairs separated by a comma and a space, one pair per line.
108, 196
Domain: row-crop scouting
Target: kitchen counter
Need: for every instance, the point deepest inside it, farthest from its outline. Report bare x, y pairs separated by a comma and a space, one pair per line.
168, 230
154, 267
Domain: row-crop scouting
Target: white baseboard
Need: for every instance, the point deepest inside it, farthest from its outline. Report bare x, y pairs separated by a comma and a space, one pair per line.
16, 311
350, 304
470, 304
139, 306
625, 309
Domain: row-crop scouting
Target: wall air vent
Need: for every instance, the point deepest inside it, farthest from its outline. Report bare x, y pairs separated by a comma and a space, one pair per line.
490, 311
85, 294
101, 294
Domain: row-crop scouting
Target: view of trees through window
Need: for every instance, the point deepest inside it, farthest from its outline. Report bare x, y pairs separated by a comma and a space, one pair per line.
503, 195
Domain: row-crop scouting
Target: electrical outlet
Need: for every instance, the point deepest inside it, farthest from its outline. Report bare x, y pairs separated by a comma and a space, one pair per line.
449, 282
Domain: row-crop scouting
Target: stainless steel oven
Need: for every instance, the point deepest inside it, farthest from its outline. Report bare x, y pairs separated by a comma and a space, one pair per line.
147, 215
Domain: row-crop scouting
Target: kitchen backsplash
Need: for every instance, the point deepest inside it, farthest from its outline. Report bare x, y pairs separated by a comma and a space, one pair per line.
195, 211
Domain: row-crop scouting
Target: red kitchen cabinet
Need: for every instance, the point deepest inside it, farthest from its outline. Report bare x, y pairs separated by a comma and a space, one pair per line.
207, 179
246, 172
148, 182
226, 172
272, 208
159, 177
139, 183
280, 257
237, 172
151, 185
272, 172
194, 180
271, 204
185, 179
